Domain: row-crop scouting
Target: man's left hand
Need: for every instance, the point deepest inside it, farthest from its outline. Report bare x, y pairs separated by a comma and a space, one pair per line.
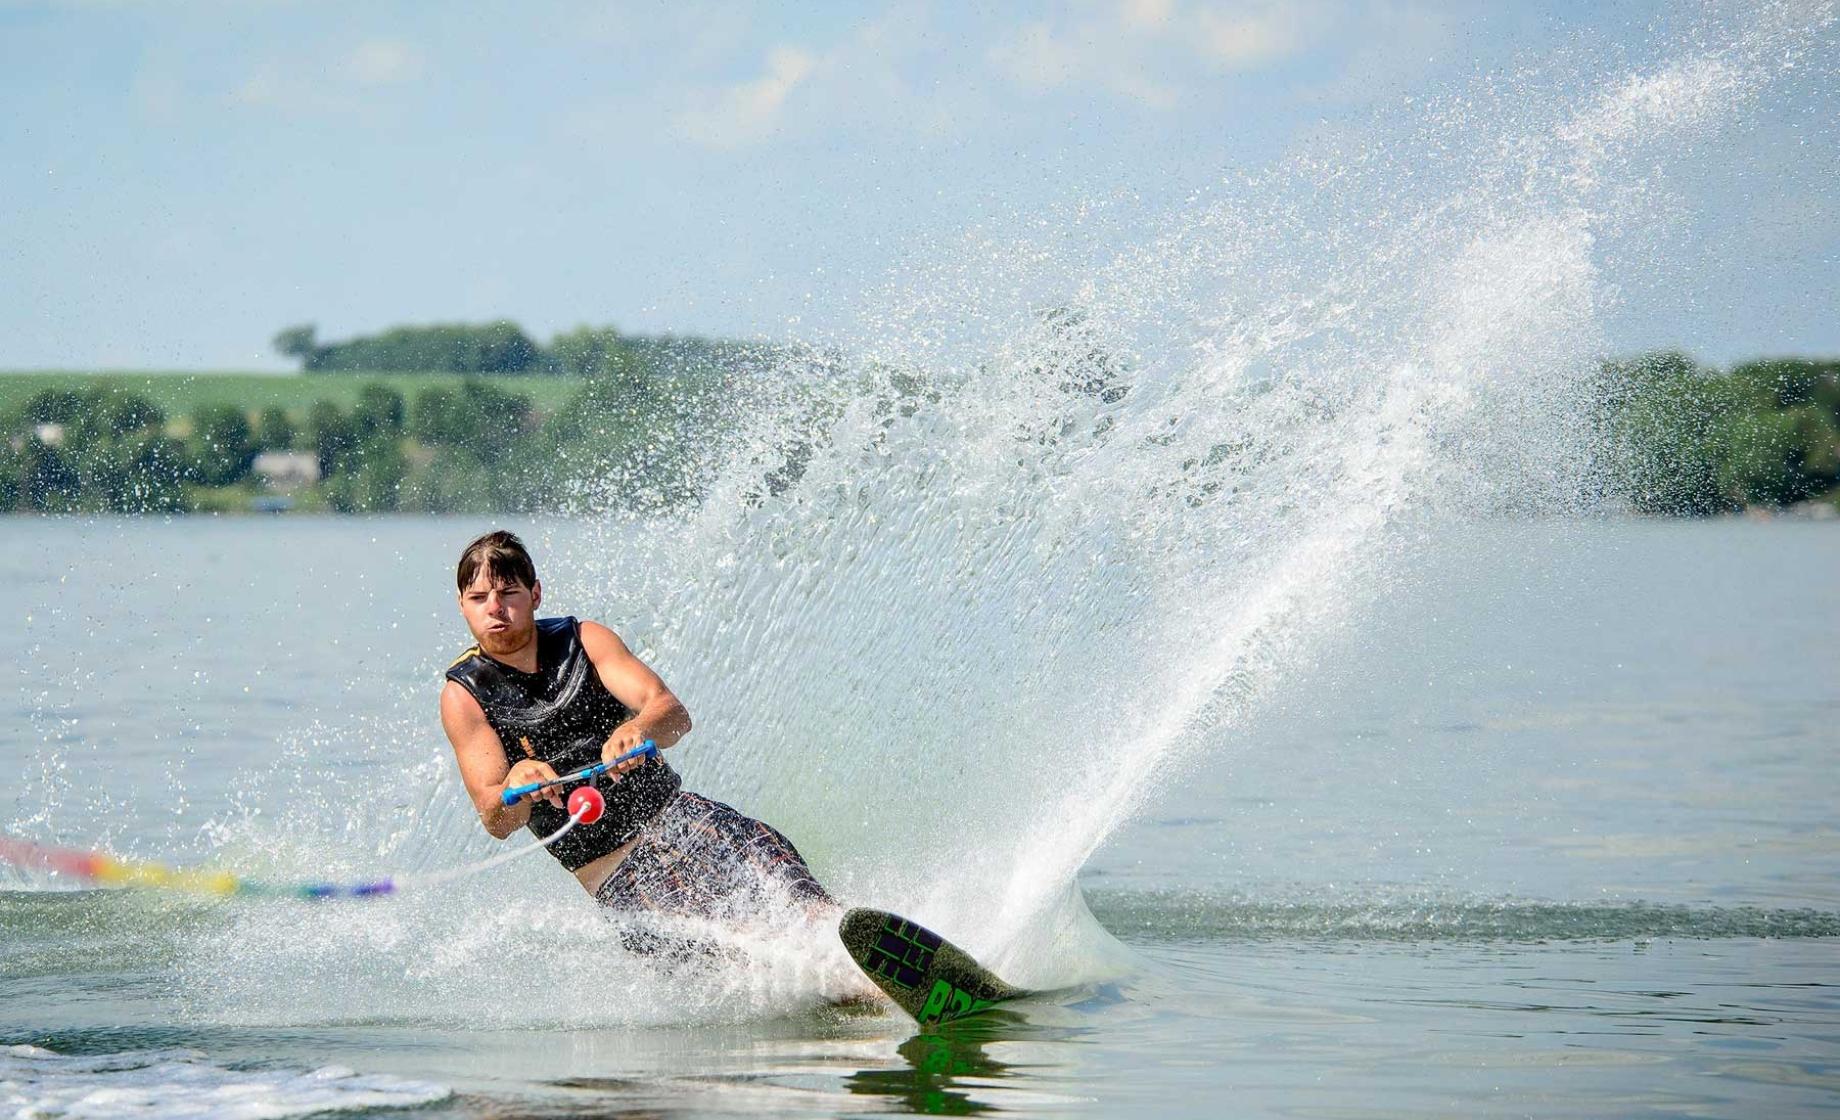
625, 739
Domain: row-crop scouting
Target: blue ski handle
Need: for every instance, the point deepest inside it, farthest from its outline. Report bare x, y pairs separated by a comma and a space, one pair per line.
517, 793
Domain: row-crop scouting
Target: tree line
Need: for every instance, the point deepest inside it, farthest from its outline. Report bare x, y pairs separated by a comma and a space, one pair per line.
1674, 437
498, 348
474, 446
1684, 439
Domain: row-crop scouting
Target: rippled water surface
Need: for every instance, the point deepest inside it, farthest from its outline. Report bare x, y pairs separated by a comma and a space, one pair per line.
1568, 852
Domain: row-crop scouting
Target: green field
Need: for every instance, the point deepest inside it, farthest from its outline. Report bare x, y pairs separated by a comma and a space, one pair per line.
180, 393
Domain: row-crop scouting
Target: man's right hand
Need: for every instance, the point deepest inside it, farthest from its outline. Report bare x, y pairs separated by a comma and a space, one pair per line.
534, 770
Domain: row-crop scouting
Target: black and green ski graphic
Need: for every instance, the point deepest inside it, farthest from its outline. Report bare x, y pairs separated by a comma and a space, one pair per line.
927, 976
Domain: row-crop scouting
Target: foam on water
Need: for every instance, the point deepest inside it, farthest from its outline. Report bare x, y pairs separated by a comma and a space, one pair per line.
967, 585
182, 1085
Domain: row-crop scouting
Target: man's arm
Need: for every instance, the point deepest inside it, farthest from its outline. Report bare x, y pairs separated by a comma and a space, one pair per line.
659, 715
483, 767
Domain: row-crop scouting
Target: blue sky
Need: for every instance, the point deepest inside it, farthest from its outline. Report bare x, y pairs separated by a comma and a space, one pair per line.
182, 180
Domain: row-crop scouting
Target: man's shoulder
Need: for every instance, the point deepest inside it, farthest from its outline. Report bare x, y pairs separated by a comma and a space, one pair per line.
596, 635
465, 656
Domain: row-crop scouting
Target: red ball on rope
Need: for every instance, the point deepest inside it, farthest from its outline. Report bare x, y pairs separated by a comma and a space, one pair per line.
586, 805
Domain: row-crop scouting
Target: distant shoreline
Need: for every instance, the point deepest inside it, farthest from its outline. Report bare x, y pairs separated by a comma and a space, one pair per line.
1669, 437
181, 391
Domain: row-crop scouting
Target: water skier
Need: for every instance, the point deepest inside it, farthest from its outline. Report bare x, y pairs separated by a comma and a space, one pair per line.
537, 698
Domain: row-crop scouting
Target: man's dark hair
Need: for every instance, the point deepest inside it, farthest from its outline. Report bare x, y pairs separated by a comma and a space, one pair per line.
502, 556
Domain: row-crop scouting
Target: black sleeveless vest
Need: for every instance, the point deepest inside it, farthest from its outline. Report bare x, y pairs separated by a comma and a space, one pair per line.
562, 714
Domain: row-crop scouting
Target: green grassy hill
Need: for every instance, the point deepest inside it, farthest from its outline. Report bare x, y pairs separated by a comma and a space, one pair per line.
180, 393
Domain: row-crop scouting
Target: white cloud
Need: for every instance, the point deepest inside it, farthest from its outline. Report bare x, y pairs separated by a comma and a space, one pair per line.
1242, 37
872, 80
1041, 56
377, 62
1162, 53
1148, 50
746, 112
333, 82
1146, 15
264, 87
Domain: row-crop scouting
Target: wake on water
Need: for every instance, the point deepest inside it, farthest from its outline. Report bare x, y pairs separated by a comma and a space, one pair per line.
967, 586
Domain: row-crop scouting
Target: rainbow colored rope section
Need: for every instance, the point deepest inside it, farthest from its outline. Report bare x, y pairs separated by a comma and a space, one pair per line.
106, 870
585, 806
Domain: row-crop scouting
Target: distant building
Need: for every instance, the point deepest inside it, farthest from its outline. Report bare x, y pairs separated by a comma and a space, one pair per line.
285, 470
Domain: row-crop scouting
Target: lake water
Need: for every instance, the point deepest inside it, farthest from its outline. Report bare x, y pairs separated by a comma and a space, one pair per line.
1128, 596
1546, 829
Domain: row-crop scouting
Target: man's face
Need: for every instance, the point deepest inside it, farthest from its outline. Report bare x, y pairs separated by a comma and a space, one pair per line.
501, 613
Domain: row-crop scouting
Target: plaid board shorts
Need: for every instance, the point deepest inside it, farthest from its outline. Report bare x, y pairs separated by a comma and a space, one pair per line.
700, 858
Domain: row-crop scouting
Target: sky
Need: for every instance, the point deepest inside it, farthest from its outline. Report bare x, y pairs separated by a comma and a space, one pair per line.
180, 181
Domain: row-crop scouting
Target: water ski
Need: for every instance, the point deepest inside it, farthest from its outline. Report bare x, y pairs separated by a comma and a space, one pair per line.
927, 976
